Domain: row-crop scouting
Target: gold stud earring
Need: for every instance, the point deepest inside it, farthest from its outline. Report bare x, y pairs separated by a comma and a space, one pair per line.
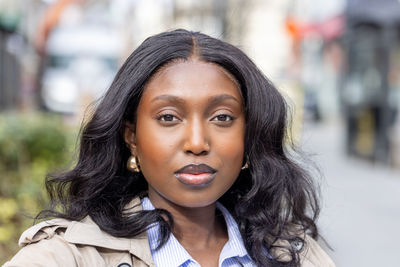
133, 164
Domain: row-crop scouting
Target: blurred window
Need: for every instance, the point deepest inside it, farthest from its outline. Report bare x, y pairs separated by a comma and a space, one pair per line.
64, 61
365, 65
58, 61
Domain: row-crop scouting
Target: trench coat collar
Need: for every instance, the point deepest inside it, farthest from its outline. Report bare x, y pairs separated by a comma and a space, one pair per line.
87, 232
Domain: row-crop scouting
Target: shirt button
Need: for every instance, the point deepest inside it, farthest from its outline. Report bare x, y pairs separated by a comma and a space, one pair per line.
124, 265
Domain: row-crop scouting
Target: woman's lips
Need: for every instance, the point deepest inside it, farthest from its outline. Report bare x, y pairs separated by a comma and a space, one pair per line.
200, 179
196, 175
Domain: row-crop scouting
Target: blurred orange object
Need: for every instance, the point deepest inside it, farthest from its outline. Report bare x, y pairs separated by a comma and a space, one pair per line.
50, 19
330, 28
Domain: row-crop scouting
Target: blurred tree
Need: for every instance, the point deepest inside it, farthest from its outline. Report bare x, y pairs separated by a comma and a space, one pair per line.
30, 147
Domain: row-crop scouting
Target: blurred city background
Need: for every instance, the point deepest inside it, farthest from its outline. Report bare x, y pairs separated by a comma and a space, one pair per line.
336, 61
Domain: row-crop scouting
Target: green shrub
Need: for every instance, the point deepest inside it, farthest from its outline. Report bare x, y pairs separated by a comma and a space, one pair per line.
30, 147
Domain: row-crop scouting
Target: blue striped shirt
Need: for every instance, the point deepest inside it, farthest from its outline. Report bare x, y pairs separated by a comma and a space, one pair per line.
172, 254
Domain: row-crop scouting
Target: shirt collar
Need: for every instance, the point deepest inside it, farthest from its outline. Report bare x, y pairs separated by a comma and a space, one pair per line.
175, 255
235, 246
172, 253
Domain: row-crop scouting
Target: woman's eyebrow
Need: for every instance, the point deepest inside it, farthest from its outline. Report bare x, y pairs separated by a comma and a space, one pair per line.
212, 101
169, 98
216, 100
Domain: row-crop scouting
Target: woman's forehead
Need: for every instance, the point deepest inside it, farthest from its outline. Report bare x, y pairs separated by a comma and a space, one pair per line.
191, 74
194, 61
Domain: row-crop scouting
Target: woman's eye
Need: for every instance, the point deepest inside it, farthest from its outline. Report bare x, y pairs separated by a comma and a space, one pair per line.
167, 118
223, 117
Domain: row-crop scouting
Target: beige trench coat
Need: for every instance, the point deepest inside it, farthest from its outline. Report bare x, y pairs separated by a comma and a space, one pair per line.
61, 242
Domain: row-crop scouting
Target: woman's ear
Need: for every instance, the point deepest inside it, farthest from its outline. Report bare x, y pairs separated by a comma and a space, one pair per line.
130, 137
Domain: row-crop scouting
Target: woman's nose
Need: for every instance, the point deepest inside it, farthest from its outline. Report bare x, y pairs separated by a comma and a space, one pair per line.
196, 138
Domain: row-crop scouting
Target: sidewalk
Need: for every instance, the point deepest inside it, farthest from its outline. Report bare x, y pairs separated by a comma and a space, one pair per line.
360, 215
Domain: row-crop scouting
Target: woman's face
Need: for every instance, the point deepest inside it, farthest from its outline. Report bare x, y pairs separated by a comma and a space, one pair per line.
189, 134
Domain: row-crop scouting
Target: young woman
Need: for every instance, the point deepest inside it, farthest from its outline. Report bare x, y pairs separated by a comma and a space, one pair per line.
183, 163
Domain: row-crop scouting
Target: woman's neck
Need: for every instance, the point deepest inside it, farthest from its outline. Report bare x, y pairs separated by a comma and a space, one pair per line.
196, 229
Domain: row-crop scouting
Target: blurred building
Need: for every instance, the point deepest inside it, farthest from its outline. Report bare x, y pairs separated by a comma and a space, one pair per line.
9, 64
18, 58
371, 80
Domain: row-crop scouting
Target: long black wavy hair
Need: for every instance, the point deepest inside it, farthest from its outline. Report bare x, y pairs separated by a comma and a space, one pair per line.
270, 199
